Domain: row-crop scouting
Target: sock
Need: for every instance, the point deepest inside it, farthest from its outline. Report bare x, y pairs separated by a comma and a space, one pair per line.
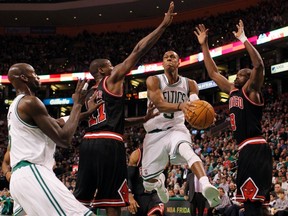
204, 181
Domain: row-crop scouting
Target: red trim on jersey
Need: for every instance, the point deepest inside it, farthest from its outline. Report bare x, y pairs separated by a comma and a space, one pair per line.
106, 89
103, 135
252, 141
233, 90
108, 202
252, 102
159, 208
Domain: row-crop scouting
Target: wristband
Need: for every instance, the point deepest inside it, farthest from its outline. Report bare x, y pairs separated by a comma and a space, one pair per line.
242, 37
193, 97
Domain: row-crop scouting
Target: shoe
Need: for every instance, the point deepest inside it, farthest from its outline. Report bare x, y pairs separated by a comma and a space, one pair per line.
211, 193
161, 190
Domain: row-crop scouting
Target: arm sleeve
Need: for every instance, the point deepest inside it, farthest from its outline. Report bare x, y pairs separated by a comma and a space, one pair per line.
132, 170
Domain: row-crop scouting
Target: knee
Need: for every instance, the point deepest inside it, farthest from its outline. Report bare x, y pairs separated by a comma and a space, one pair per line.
150, 184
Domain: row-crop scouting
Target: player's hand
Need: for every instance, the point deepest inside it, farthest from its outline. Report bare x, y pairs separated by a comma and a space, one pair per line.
240, 30
185, 106
80, 94
150, 112
8, 176
169, 15
93, 104
202, 34
132, 208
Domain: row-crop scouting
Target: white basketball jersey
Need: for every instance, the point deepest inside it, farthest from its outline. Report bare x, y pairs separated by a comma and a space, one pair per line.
28, 142
174, 93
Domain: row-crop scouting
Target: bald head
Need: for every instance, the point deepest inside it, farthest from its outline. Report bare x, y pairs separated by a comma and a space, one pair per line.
23, 78
96, 64
16, 70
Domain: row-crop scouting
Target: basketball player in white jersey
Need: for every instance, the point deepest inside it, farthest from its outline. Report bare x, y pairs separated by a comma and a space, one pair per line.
32, 137
167, 137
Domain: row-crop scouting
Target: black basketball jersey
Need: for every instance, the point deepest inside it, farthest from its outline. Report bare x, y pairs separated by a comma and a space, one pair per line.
245, 116
110, 115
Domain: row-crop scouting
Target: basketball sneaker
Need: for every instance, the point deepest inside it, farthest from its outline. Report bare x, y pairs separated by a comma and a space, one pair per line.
161, 190
211, 193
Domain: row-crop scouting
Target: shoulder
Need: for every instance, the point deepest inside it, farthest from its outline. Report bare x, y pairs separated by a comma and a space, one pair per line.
152, 80
134, 157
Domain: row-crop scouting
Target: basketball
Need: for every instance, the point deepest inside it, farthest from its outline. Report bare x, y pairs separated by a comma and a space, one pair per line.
200, 114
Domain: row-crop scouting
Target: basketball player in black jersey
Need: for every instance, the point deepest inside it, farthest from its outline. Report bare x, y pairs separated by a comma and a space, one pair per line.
142, 202
102, 175
254, 175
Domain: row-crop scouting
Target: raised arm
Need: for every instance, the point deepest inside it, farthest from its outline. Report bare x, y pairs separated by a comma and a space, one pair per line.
202, 34
33, 111
256, 79
142, 47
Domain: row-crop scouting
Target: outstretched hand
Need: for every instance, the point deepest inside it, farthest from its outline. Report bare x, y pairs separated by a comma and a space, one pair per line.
169, 15
240, 32
150, 112
93, 104
80, 93
202, 33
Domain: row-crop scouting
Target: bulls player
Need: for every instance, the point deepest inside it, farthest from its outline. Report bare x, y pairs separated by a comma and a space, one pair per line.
102, 175
254, 175
142, 202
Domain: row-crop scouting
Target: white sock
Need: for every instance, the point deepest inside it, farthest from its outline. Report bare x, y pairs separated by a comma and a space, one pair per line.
204, 181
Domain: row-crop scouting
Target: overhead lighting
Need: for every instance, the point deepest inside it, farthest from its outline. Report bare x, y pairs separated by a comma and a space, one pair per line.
74, 17
47, 18
100, 14
131, 11
16, 18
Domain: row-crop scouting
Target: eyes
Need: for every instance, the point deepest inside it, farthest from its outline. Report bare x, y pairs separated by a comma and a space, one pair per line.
172, 57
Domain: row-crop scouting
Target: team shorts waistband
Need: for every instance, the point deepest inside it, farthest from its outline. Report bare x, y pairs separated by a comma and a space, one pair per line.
103, 135
252, 141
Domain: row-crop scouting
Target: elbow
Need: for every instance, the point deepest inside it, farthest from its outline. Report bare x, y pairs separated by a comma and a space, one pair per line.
259, 65
64, 141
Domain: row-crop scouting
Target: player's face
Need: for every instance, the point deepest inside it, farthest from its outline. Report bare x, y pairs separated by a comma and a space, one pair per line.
170, 61
33, 79
107, 68
241, 78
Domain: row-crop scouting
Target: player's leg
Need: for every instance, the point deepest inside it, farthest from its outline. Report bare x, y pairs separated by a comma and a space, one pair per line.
113, 211
86, 182
182, 147
17, 209
38, 191
154, 161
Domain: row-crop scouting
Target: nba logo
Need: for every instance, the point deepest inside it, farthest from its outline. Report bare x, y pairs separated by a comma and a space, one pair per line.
145, 171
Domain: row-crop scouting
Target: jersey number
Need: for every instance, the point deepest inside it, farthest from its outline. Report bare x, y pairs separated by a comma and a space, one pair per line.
100, 117
232, 121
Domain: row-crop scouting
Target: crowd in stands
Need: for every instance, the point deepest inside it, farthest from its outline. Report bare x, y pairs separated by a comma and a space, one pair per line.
62, 53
